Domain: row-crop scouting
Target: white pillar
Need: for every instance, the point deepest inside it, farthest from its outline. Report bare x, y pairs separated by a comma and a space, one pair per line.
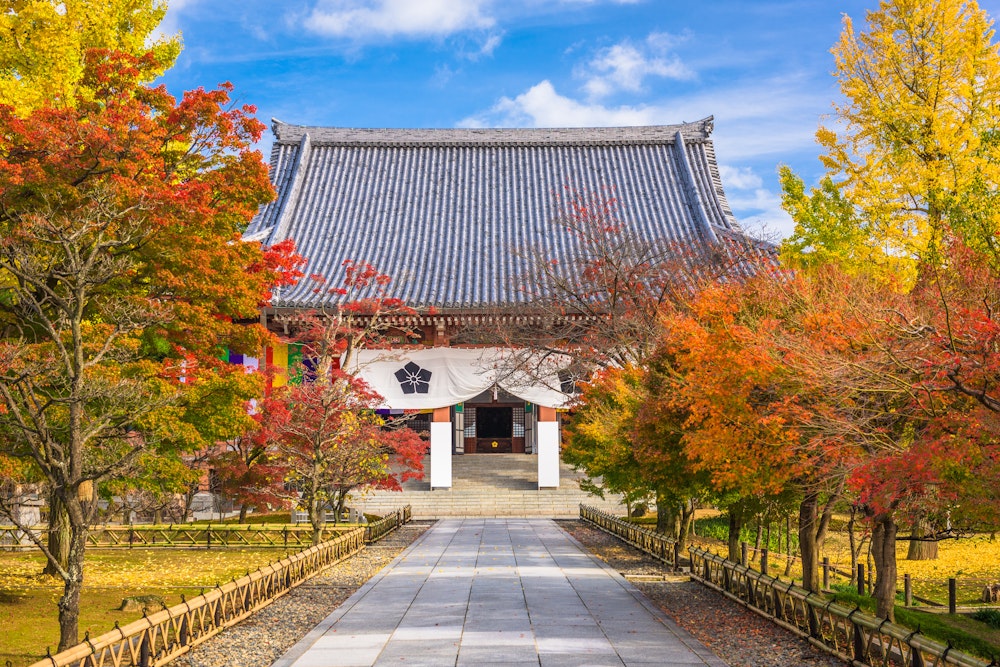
441, 439
548, 454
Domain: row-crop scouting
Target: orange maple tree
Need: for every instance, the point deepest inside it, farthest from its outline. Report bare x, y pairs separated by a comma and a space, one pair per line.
750, 370
121, 270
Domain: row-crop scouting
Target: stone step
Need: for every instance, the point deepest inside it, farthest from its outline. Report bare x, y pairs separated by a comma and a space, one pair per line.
489, 485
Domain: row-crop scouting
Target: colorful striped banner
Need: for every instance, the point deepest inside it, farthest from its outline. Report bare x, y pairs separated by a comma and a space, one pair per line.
296, 369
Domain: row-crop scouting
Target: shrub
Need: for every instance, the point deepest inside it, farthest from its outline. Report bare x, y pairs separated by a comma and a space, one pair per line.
990, 617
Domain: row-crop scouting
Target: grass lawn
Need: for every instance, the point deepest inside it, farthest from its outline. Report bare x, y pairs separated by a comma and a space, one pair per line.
28, 614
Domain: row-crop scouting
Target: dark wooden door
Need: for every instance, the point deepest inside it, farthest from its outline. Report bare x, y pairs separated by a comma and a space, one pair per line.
494, 430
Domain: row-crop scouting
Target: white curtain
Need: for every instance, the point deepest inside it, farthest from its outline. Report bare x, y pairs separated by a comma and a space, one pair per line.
438, 377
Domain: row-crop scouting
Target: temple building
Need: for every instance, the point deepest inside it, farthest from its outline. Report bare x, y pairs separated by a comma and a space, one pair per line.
448, 214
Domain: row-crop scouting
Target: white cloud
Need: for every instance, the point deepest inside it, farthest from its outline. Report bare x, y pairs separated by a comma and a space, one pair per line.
762, 117
760, 212
442, 75
490, 45
739, 178
625, 66
542, 106
361, 19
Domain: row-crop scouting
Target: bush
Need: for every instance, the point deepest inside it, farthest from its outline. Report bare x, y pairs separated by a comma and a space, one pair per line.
990, 617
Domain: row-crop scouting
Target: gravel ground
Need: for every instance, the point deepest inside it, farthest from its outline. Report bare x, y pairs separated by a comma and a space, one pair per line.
737, 635
265, 636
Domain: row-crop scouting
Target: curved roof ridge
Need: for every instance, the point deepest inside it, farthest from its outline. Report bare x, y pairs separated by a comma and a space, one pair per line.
700, 130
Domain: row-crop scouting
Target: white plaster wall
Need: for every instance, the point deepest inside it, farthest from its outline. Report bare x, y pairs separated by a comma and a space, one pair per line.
441, 435
548, 455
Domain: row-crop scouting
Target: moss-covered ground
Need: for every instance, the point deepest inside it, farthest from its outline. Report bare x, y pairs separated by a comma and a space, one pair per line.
28, 613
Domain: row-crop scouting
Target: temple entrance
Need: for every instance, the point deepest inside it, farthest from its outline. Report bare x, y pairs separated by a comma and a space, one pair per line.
494, 429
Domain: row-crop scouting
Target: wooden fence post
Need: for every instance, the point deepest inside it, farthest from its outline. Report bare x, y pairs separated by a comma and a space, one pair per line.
861, 578
145, 650
763, 561
859, 640
744, 547
826, 573
952, 595
907, 591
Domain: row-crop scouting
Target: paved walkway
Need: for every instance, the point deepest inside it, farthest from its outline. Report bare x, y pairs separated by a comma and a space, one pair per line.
497, 592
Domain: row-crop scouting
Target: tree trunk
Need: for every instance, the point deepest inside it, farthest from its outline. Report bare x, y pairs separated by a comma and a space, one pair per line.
884, 554
735, 527
809, 528
341, 504
59, 536
686, 519
69, 603
789, 556
758, 534
317, 518
666, 516
243, 512
853, 542
188, 499
921, 549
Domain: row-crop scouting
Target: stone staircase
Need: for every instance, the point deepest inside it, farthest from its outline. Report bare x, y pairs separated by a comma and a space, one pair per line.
489, 485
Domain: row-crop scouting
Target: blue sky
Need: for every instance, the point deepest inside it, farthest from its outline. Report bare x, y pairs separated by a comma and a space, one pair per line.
760, 67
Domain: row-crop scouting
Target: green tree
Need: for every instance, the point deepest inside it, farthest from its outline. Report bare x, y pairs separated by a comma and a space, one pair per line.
830, 229
598, 437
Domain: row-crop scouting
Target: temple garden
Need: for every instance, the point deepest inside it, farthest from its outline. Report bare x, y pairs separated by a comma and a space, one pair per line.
160, 577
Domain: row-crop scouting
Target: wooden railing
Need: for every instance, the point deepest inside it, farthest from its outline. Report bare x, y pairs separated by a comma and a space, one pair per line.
854, 636
161, 637
656, 545
376, 530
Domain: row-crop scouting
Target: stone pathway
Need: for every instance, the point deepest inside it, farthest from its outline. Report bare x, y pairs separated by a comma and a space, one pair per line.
497, 592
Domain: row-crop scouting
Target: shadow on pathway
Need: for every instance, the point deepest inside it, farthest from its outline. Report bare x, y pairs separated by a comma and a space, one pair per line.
497, 592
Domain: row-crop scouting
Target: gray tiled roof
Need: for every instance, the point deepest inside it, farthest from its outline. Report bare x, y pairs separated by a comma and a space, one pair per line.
442, 211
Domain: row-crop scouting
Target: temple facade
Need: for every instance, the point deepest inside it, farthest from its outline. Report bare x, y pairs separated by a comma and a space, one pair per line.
450, 215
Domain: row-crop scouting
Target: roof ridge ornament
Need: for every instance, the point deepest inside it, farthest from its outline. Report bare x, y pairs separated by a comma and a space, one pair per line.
692, 132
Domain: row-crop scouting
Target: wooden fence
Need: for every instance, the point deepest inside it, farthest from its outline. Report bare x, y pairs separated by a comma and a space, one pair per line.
655, 544
161, 637
859, 638
204, 536
376, 530
852, 635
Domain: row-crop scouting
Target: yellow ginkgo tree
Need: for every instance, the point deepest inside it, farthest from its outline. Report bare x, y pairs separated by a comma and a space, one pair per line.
43, 44
921, 94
